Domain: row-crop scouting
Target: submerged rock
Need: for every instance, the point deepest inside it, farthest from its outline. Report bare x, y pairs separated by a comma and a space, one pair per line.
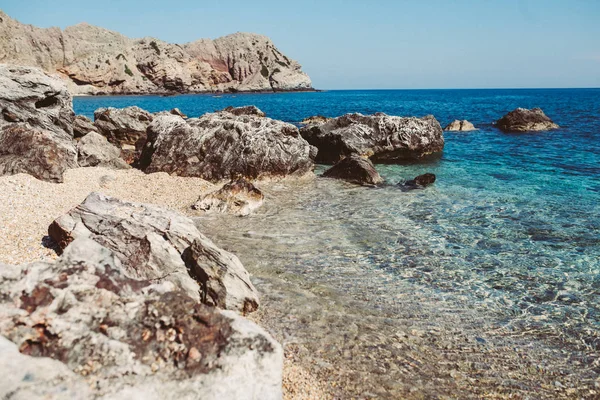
419, 182
94, 150
130, 338
238, 197
150, 242
524, 120
36, 124
355, 169
382, 138
82, 125
462, 126
222, 145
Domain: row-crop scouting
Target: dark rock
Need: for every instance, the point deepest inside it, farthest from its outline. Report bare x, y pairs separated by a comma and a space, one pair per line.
177, 111
460, 126
420, 181
246, 110
150, 242
94, 150
238, 197
355, 169
314, 120
223, 145
382, 138
82, 125
524, 120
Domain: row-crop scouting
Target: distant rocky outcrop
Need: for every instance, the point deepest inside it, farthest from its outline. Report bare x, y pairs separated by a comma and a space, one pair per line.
239, 197
80, 328
36, 124
160, 245
460, 126
223, 145
94, 60
382, 138
355, 169
94, 150
524, 120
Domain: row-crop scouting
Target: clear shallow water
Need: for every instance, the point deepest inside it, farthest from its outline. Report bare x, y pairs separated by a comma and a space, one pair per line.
501, 254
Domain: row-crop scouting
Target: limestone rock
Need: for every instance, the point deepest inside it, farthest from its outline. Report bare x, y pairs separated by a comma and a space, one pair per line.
150, 243
462, 126
246, 110
36, 124
355, 169
94, 150
382, 138
84, 330
82, 125
222, 145
419, 182
94, 60
238, 197
125, 128
177, 111
524, 120
314, 120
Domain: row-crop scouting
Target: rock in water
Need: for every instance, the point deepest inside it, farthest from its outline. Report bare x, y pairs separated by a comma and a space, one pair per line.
94, 150
125, 128
36, 124
222, 145
355, 169
131, 338
420, 181
238, 197
382, 138
94, 60
150, 242
462, 126
524, 120
82, 125
314, 120
246, 110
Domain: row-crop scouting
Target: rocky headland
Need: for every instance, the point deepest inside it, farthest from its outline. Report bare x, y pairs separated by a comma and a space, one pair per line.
94, 61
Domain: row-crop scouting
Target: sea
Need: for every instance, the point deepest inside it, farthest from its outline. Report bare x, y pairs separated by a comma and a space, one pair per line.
483, 285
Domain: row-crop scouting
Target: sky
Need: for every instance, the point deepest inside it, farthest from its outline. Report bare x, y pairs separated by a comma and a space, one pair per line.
353, 44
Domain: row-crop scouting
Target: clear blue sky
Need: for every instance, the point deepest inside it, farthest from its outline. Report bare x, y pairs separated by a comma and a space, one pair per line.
374, 44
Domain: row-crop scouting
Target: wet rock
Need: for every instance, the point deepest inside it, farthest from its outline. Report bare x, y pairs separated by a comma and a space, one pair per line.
382, 138
238, 197
36, 124
246, 110
94, 150
84, 328
222, 145
150, 243
82, 125
462, 126
524, 120
125, 128
314, 120
355, 169
419, 182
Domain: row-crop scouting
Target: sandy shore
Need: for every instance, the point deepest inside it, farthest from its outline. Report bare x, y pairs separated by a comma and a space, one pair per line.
28, 206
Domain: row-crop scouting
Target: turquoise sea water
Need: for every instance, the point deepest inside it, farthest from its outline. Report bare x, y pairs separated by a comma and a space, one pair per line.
509, 233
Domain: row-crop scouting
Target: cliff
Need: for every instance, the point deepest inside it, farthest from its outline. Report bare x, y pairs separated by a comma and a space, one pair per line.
94, 60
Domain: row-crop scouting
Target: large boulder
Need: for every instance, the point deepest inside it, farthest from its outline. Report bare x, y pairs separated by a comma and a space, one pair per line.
85, 330
355, 169
94, 150
125, 128
524, 120
36, 124
223, 145
460, 126
239, 197
82, 125
382, 138
151, 243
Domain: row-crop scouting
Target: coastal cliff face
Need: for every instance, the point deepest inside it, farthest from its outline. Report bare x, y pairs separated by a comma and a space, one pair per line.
94, 60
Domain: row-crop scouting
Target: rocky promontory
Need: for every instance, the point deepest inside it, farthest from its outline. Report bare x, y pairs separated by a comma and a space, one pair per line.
94, 60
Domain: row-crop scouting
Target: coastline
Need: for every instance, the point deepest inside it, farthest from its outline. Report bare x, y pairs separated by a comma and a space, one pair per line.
208, 93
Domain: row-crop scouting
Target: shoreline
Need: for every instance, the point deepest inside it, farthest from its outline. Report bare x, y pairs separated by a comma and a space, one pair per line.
191, 93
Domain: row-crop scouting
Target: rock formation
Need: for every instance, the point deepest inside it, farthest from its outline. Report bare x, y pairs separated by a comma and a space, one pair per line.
246, 110
223, 145
36, 124
94, 150
238, 197
419, 182
82, 126
524, 120
462, 126
82, 329
314, 120
94, 60
355, 169
382, 138
152, 243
